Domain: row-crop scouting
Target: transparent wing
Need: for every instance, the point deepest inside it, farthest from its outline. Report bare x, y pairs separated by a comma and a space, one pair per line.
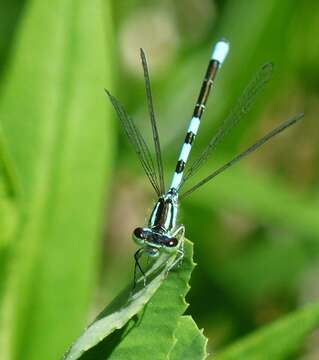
246, 152
137, 141
240, 109
153, 123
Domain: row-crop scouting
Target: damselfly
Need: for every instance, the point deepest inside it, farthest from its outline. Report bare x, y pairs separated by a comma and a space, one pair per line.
163, 233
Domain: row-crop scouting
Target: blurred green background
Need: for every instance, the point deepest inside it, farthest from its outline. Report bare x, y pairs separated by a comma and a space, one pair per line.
71, 189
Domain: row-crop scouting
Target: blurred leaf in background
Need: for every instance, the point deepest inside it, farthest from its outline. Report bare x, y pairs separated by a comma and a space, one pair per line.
256, 235
255, 228
55, 124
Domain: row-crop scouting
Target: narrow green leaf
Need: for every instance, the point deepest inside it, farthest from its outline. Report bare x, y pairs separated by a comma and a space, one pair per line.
9, 195
9, 220
262, 195
270, 202
9, 207
8, 179
9, 216
248, 272
190, 341
152, 330
277, 341
54, 116
120, 311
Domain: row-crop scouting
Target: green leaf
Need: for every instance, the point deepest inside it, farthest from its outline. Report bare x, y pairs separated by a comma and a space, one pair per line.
190, 341
264, 196
9, 215
8, 179
9, 196
54, 117
120, 311
248, 272
277, 341
150, 316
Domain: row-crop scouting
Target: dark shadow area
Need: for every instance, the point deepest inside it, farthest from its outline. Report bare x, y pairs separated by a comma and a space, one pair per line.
10, 13
105, 348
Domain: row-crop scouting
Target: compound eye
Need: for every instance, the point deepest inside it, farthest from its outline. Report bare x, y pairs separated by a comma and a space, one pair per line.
171, 246
139, 236
139, 233
172, 242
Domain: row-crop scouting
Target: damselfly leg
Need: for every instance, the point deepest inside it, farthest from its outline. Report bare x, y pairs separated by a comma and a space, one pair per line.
137, 265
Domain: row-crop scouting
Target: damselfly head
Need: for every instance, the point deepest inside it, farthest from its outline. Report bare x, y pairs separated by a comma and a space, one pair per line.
154, 241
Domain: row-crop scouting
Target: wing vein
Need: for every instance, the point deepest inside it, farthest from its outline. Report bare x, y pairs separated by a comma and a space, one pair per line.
241, 108
153, 122
137, 141
246, 152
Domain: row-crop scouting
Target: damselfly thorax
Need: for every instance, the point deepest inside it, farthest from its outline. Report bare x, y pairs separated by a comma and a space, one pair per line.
163, 233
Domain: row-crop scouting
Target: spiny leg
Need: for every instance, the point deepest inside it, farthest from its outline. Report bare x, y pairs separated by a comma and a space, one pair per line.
137, 265
178, 258
179, 234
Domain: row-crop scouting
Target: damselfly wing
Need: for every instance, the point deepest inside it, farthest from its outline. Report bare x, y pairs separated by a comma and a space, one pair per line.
162, 232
